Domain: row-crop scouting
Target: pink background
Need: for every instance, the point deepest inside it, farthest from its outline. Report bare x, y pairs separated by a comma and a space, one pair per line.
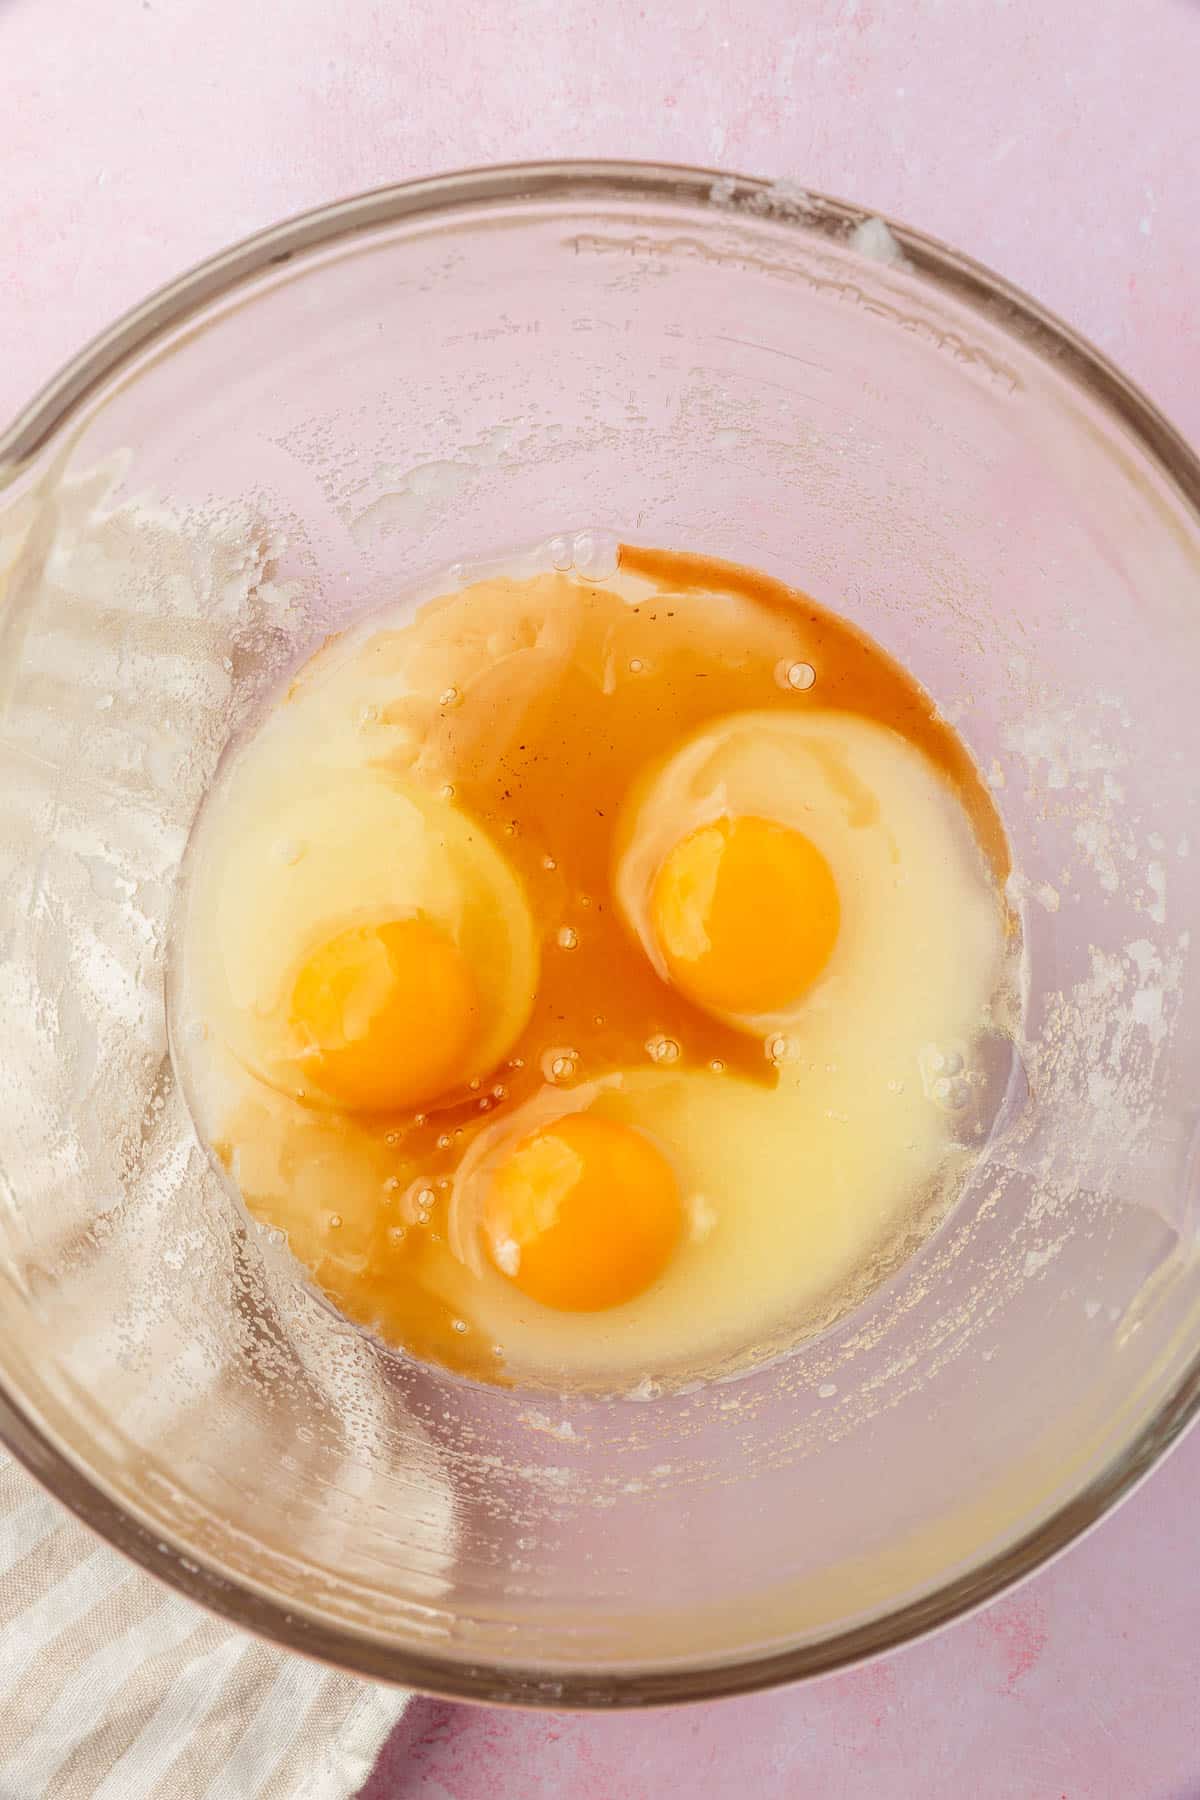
1059, 142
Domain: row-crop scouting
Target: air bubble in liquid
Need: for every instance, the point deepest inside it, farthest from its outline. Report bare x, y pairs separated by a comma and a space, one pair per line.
560, 552
797, 676
662, 1049
995, 1091
568, 938
560, 1064
945, 1083
596, 555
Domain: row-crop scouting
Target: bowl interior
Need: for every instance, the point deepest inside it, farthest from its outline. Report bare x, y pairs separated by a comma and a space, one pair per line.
342, 409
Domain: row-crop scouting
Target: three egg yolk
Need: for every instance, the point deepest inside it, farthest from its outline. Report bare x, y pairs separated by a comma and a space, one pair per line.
386, 1015
583, 1214
746, 914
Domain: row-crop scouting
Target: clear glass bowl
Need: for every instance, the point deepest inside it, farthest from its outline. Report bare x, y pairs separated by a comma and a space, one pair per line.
436, 372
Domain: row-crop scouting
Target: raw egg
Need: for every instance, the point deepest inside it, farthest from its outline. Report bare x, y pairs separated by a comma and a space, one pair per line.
387, 1012
370, 947
744, 913
583, 1214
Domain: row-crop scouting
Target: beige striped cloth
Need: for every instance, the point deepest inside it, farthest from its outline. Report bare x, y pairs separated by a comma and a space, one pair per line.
114, 1688
111, 1686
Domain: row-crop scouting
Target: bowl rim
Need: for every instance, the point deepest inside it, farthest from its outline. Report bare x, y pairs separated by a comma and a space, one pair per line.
63, 397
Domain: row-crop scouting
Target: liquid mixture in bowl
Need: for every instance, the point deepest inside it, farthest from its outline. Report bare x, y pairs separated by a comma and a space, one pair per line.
592, 977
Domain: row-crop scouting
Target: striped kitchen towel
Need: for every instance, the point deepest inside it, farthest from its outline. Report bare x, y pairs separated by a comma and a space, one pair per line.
114, 1688
111, 1686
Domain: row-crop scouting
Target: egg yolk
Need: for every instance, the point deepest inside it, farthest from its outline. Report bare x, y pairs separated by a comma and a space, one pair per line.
583, 1214
746, 914
385, 1014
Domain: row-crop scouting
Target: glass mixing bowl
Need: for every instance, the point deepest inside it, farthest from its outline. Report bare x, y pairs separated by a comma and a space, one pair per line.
342, 406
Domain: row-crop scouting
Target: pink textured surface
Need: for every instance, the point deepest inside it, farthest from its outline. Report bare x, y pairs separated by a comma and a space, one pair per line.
1080, 1686
1059, 143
